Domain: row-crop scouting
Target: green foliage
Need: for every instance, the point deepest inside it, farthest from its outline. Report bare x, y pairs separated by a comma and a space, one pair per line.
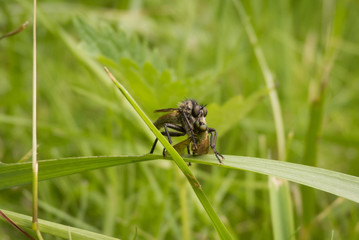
164, 52
116, 45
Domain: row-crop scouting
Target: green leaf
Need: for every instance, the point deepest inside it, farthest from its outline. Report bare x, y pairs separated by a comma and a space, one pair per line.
116, 45
337, 183
340, 184
56, 229
21, 173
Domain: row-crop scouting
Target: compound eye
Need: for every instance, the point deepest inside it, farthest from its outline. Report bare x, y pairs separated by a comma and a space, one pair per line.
196, 110
204, 111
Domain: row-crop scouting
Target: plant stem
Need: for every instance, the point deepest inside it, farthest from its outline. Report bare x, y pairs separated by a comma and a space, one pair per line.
312, 138
35, 166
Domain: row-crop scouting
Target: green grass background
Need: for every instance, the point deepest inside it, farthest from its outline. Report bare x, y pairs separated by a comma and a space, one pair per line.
164, 52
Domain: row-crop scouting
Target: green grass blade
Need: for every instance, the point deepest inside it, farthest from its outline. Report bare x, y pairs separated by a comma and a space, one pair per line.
312, 138
56, 229
281, 209
20, 173
219, 226
340, 184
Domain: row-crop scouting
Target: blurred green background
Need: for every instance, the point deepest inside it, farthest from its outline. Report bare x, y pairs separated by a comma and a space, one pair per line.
164, 52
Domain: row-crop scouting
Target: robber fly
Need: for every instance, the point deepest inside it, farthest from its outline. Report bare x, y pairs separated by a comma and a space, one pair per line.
188, 119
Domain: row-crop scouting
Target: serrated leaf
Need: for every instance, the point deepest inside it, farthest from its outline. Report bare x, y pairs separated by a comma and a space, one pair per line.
116, 44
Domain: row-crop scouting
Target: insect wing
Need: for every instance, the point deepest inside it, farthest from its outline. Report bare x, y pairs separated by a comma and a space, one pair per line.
166, 110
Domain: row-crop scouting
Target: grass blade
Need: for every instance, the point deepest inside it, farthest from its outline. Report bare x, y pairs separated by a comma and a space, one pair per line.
56, 229
340, 184
20, 173
337, 183
281, 208
313, 135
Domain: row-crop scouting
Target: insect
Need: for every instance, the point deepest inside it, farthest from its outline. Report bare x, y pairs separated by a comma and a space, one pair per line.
188, 119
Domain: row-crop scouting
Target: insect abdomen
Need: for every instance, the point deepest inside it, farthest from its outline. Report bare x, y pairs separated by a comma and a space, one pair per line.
171, 117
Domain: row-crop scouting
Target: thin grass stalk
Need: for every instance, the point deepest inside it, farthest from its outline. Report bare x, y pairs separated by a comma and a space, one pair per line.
317, 100
186, 230
311, 142
281, 225
280, 212
35, 166
219, 226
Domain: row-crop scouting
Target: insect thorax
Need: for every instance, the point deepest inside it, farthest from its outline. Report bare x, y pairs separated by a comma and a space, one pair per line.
185, 108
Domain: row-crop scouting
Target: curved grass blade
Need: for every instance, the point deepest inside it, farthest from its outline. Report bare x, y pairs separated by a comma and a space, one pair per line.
56, 229
219, 226
340, 184
20, 173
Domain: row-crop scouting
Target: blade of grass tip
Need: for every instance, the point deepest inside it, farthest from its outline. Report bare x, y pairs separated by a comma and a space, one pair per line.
22, 27
284, 195
219, 226
27, 155
35, 166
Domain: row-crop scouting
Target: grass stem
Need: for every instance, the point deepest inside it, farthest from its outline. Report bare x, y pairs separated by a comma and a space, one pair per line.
35, 167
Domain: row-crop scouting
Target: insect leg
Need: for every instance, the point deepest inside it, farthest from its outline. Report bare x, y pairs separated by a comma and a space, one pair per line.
213, 142
191, 130
188, 151
180, 129
153, 146
181, 132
